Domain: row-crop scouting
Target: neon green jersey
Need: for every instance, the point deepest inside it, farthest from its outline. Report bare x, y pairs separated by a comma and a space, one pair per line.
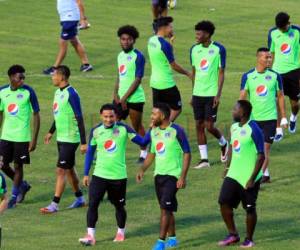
262, 90
17, 107
207, 61
246, 141
161, 55
168, 145
131, 65
285, 46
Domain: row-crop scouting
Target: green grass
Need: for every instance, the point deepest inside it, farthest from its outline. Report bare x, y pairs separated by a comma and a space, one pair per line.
29, 36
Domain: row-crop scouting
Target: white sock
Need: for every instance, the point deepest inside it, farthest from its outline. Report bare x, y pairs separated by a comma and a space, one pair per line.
121, 231
279, 131
203, 151
91, 231
222, 141
143, 154
293, 117
266, 173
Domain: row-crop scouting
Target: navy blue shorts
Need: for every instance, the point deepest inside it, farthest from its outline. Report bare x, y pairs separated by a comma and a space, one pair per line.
69, 29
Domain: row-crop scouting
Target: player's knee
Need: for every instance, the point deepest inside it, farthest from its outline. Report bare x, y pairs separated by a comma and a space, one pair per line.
250, 209
60, 171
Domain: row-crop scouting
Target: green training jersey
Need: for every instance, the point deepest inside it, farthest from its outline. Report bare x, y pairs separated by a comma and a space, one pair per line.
207, 62
161, 55
168, 145
66, 107
262, 90
131, 65
246, 141
285, 46
17, 107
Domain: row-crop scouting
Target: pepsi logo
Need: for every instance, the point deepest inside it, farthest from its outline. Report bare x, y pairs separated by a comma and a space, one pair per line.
110, 146
261, 90
13, 109
122, 69
160, 148
204, 64
55, 108
285, 48
236, 146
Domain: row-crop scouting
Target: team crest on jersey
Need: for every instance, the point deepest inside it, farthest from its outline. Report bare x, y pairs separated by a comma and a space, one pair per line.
285, 49
211, 52
236, 146
13, 109
20, 96
110, 146
268, 77
243, 132
122, 69
62, 96
116, 132
160, 148
55, 108
291, 35
129, 58
261, 90
168, 135
204, 65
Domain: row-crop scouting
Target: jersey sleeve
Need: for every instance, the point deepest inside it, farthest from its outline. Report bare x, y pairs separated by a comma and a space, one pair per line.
89, 157
33, 99
222, 52
191, 55
139, 65
279, 85
271, 42
244, 84
257, 137
298, 29
167, 49
182, 139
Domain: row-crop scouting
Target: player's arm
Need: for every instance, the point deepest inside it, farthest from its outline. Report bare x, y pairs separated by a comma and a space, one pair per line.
244, 88
116, 90
147, 163
136, 138
3, 203
36, 119
83, 18
74, 101
221, 77
271, 46
89, 157
258, 139
50, 133
281, 103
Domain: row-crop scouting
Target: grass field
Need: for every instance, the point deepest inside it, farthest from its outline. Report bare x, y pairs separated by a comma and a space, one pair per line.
29, 36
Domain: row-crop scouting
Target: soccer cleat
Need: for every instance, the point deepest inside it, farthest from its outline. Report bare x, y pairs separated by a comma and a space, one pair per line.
49, 210
292, 127
77, 204
278, 137
12, 203
49, 71
202, 164
119, 237
140, 160
25, 187
229, 240
224, 153
88, 240
172, 4
247, 244
171, 242
159, 245
265, 179
86, 67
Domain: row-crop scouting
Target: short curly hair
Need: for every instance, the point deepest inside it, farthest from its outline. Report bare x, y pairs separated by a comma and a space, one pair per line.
129, 30
207, 26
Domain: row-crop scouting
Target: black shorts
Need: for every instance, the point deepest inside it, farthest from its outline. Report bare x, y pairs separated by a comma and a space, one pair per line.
290, 82
166, 189
162, 3
69, 29
116, 190
269, 129
123, 114
66, 154
203, 108
169, 96
232, 193
17, 152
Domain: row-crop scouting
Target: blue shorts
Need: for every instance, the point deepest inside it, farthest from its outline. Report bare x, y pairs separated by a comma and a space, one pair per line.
69, 29
161, 3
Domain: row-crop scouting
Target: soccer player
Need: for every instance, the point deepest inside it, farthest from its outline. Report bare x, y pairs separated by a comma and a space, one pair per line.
70, 12
159, 8
129, 95
171, 151
3, 195
109, 138
162, 63
262, 86
284, 43
69, 126
17, 103
208, 59
243, 175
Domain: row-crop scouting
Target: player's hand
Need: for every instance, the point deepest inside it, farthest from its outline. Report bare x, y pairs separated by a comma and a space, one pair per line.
47, 138
123, 104
181, 183
250, 184
216, 101
86, 181
84, 24
172, 39
284, 122
140, 176
83, 148
116, 99
32, 145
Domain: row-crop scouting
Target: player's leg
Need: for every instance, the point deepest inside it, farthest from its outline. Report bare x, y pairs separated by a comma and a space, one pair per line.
116, 190
294, 112
73, 179
18, 179
172, 97
97, 190
155, 9
79, 48
136, 117
8, 171
163, 8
